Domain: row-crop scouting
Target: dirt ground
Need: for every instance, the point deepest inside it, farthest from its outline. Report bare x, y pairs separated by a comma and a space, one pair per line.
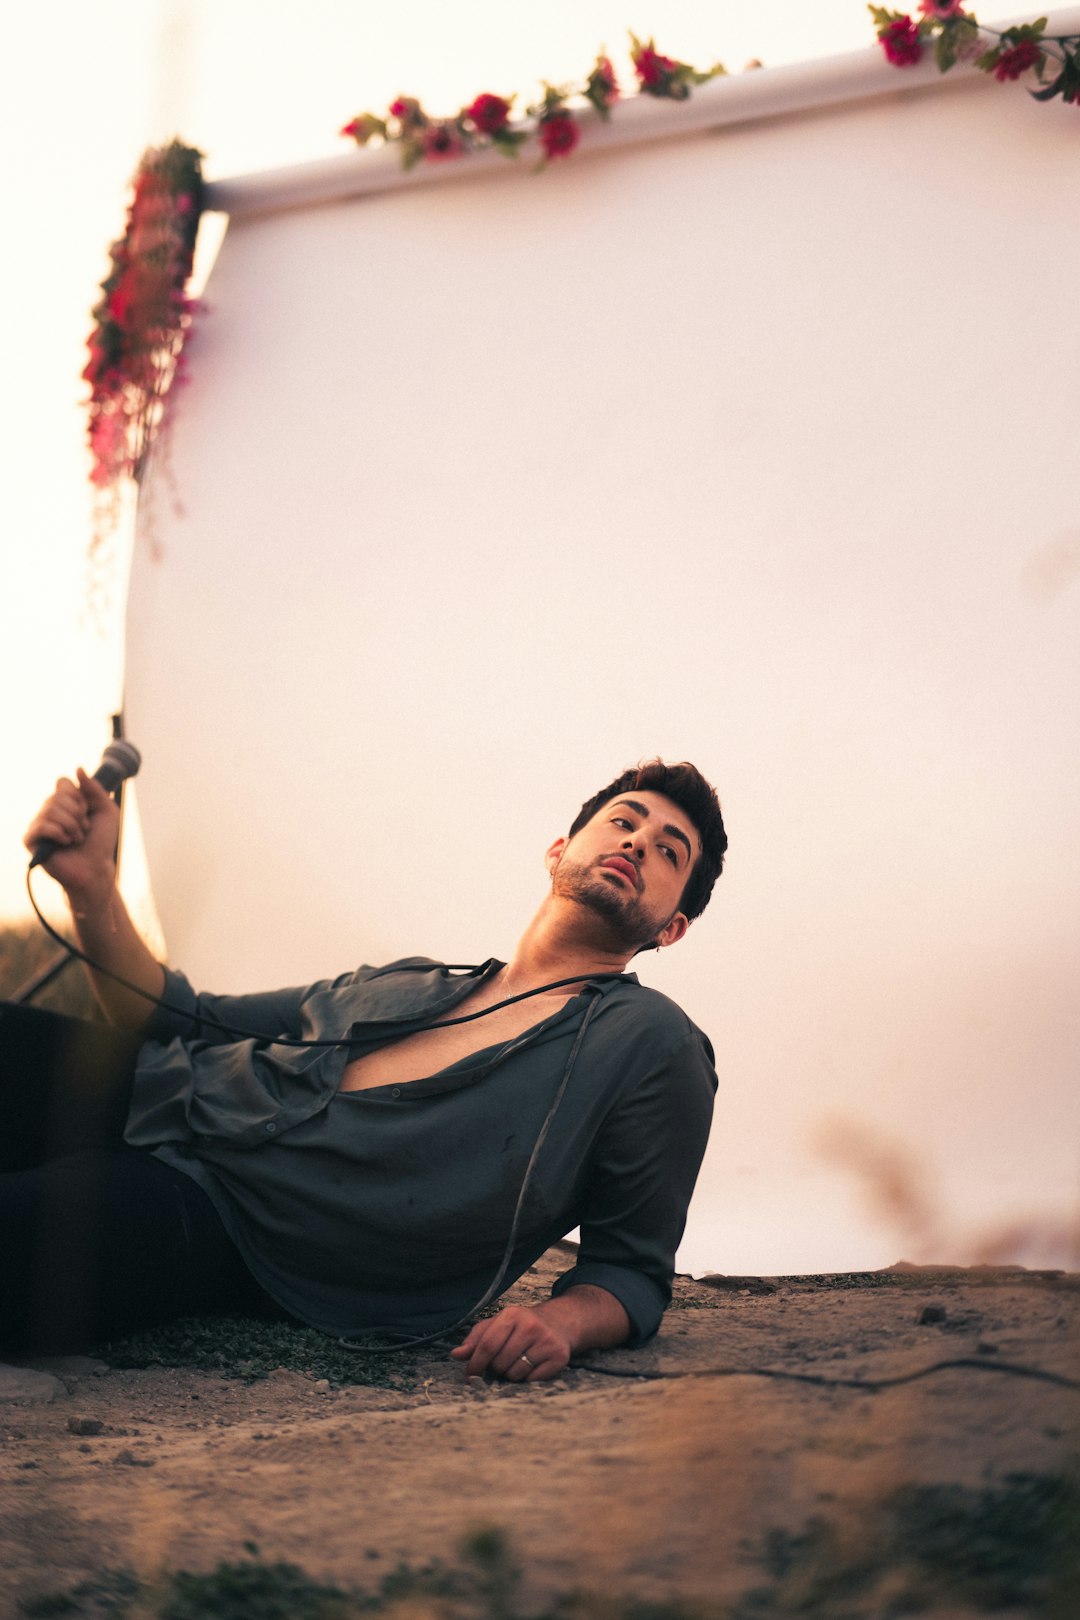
697, 1476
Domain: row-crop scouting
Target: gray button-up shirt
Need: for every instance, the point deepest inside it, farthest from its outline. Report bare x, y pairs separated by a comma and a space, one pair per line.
390, 1207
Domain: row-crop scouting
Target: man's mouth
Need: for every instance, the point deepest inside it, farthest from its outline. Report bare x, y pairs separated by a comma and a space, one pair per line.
626, 869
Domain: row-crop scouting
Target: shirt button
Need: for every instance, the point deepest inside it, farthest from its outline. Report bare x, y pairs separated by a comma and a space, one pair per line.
395, 1091
271, 1129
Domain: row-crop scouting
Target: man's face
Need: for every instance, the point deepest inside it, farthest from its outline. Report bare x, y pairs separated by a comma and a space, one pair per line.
630, 865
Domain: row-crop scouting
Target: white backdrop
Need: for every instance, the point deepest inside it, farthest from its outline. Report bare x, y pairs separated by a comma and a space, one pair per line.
756, 447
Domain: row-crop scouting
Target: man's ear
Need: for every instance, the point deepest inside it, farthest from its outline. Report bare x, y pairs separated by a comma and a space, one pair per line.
674, 931
554, 854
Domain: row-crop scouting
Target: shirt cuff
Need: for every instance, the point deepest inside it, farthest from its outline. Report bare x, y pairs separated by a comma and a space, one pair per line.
170, 1020
641, 1299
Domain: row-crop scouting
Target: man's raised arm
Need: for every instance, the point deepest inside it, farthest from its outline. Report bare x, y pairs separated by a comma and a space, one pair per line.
83, 821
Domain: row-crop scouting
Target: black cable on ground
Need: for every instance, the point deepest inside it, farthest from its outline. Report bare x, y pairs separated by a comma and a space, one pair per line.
870, 1385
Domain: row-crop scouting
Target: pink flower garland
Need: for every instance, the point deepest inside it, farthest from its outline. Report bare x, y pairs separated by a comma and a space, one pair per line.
485, 122
957, 37
141, 321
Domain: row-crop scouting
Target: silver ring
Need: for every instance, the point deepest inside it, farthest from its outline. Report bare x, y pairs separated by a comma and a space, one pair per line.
526, 1360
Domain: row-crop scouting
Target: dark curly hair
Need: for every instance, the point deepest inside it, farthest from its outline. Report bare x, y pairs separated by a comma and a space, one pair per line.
685, 786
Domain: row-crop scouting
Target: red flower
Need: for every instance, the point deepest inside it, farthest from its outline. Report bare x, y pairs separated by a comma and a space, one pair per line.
92, 370
1017, 60
489, 113
121, 300
901, 43
942, 10
363, 127
602, 80
651, 67
442, 141
559, 134
408, 112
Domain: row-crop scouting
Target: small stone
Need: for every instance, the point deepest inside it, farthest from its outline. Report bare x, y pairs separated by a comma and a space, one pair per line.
322, 1386
284, 1378
72, 1367
983, 1348
127, 1458
84, 1425
931, 1313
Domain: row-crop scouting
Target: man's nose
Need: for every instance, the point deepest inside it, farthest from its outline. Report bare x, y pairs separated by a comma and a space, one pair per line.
634, 848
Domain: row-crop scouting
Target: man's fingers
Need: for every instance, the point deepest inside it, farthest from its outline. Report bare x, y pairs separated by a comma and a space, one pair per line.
489, 1344
64, 819
92, 790
465, 1348
517, 1345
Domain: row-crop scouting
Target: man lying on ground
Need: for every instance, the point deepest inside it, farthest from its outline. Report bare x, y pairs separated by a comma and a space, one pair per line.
192, 1159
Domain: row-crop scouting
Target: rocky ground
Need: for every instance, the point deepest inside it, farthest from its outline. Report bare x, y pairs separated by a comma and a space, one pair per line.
823, 1446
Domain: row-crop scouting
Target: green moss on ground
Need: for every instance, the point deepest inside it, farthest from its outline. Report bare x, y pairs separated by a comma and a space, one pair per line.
248, 1348
483, 1585
922, 1550
1013, 1546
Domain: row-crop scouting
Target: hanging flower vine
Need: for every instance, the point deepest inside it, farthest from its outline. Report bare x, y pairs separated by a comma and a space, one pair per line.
485, 122
141, 321
958, 36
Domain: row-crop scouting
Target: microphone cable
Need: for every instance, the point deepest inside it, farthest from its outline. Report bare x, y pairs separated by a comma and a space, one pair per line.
236, 1033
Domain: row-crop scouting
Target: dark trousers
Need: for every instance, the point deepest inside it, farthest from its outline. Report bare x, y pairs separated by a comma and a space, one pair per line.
97, 1239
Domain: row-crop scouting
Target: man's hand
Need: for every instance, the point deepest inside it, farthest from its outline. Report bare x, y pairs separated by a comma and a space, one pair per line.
83, 820
517, 1345
525, 1344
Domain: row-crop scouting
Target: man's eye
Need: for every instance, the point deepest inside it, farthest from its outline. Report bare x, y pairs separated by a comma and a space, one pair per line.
670, 853
621, 821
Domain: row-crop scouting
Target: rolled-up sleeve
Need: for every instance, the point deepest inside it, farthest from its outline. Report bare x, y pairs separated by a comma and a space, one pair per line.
641, 1176
215, 1019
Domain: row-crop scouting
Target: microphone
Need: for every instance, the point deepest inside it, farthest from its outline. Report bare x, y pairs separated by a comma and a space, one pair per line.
119, 761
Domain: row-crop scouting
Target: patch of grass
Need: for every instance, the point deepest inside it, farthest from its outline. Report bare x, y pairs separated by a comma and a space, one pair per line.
922, 1549
483, 1585
995, 1547
1017, 1545
249, 1348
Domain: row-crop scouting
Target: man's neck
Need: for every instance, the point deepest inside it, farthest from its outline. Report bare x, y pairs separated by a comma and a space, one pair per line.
561, 942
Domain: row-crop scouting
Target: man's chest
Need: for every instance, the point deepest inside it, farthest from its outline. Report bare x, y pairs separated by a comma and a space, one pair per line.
417, 1056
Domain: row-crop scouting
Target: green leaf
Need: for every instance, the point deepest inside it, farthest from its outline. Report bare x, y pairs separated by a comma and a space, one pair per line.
945, 51
509, 140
